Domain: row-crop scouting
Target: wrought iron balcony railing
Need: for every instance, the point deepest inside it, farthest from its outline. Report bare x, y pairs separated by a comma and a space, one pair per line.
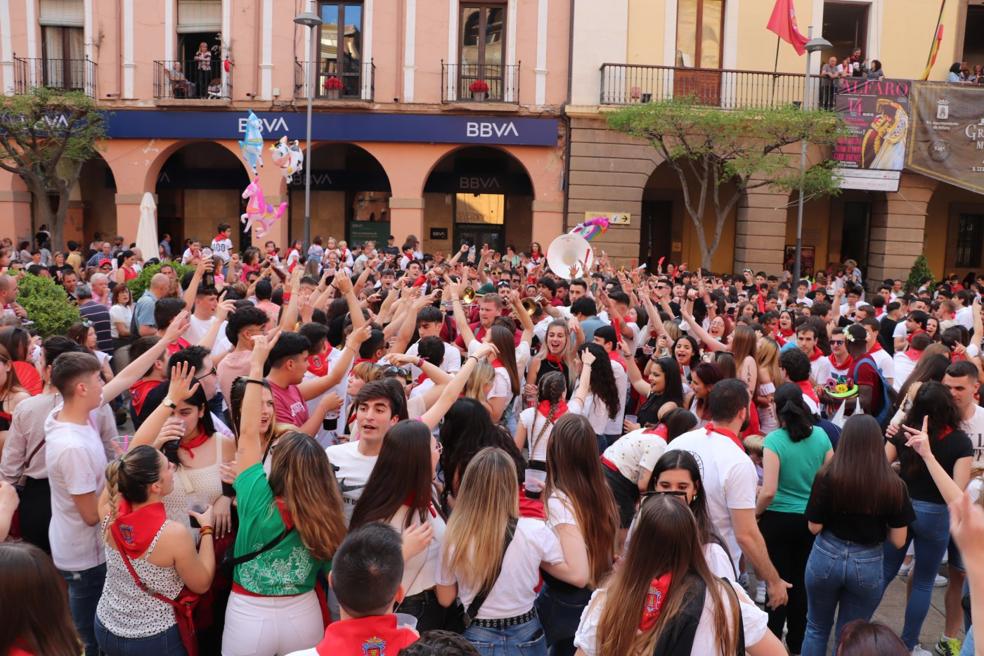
191, 80
480, 83
351, 81
66, 74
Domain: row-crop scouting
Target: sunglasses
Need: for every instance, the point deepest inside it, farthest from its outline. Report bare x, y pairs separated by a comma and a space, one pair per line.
837, 342
398, 372
672, 493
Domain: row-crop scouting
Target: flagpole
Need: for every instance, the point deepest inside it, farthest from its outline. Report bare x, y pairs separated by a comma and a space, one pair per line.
932, 45
775, 68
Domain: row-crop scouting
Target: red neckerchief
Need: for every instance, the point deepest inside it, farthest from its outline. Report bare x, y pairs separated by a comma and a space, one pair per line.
556, 359
420, 379
846, 365
913, 354
361, 360
808, 390
958, 357
480, 333
219, 237
558, 411
655, 598
875, 348
711, 428
134, 530
946, 431
139, 392
616, 356
497, 364
786, 332
374, 635
317, 365
194, 442
816, 355
284, 512
914, 333
659, 431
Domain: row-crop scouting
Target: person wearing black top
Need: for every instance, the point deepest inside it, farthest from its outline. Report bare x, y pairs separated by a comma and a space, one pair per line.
856, 503
664, 386
930, 531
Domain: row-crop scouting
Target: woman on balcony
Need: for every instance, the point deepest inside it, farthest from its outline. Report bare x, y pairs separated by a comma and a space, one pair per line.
203, 68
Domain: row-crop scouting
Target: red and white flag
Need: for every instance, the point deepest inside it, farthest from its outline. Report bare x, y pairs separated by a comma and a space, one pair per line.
783, 23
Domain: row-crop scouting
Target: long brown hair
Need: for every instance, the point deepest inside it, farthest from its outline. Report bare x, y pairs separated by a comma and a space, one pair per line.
670, 524
487, 499
503, 340
858, 477
573, 468
402, 475
12, 381
743, 344
34, 603
301, 474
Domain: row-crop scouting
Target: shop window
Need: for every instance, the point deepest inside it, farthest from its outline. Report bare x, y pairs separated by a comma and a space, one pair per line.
970, 235
700, 26
488, 209
482, 48
340, 49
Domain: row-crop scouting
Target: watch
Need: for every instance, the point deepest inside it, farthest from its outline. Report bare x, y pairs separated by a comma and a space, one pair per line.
169, 403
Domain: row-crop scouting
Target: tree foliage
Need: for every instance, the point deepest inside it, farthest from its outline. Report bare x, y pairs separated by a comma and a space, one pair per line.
46, 136
919, 274
47, 305
709, 148
140, 284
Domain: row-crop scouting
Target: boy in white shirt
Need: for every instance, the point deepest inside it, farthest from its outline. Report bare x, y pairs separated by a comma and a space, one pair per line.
221, 244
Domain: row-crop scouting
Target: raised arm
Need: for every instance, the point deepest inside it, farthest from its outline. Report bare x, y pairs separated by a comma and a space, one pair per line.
288, 318
344, 285
639, 384
695, 328
467, 336
524, 319
950, 488
249, 450
136, 369
153, 430
312, 388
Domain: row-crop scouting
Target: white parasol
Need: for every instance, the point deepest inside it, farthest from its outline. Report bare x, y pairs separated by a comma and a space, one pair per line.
147, 228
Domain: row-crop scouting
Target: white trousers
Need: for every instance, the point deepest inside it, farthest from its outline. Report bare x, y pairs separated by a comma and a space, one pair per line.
271, 626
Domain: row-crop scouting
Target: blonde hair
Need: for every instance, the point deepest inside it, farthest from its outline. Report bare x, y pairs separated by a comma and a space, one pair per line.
767, 357
487, 499
367, 371
481, 377
754, 444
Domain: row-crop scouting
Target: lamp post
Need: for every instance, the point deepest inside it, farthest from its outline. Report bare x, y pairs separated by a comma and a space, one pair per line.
812, 46
311, 20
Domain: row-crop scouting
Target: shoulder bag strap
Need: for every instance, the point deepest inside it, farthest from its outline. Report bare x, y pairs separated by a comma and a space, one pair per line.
239, 560
476, 604
34, 452
138, 580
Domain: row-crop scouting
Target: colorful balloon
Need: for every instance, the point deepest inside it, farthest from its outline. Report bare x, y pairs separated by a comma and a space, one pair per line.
252, 144
288, 156
260, 215
591, 228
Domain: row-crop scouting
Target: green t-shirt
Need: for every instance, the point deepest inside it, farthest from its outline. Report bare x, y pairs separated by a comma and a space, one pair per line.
286, 569
798, 465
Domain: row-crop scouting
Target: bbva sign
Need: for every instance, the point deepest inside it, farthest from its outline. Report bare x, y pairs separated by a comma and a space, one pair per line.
489, 129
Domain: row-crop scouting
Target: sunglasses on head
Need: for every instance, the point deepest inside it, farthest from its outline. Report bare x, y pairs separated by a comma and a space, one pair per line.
672, 493
393, 371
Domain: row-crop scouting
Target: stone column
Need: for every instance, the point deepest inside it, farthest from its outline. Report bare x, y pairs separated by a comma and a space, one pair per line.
898, 229
760, 231
548, 222
128, 217
15, 208
407, 218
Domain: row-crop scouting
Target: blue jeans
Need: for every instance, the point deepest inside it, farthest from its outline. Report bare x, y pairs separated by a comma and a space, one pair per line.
559, 608
523, 640
931, 533
842, 577
967, 649
167, 643
84, 590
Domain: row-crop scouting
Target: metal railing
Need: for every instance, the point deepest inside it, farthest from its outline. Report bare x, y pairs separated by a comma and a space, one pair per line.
480, 83
176, 79
628, 84
66, 74
348, 82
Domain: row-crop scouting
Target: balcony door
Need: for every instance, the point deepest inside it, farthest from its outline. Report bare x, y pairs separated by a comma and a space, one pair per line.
482, 50
62, 44
340, 65
699, 46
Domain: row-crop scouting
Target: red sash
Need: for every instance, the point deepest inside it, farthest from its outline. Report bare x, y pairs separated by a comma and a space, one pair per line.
711, 428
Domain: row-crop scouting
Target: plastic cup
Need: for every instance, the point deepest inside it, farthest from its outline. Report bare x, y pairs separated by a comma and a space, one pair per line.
407, 621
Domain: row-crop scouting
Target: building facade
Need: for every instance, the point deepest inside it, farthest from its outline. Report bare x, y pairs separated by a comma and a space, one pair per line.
438, 119
632, 51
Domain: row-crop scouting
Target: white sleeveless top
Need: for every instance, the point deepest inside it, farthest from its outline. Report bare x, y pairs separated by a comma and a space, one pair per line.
201, 486
127, 611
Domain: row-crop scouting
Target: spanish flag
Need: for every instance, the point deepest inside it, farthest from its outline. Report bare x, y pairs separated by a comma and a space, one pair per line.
937, 40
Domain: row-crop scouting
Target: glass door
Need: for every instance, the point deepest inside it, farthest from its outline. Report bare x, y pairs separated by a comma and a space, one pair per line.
481, 73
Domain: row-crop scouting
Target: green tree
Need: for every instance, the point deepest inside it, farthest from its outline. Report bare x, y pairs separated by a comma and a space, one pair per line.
46, 305
710, 148
46, 136
919, 274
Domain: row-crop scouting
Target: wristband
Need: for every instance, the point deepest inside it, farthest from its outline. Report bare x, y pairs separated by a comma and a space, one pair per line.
206, 530
472, 357
255, 381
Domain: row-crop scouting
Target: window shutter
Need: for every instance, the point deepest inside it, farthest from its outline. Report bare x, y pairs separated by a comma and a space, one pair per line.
199, 16
62, 13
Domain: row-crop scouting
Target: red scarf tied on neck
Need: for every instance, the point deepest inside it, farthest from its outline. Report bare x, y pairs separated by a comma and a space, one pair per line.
655, 598
711, 428
559, 410
194, 442
317, 365
134, 530
556, 359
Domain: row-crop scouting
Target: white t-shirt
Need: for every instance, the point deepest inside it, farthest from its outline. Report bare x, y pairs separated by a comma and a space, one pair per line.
222, 248
76, 463
820, 370
513, 593
198, 328
974, 427
755, 620
119, 314
324, 436
538, 431
729, 479
352, 471
965, 317
886, 364
615, 426
903, 368
634, 452
420, 572
594, 409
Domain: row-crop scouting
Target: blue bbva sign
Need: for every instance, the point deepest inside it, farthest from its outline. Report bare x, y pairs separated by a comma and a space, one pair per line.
403, 128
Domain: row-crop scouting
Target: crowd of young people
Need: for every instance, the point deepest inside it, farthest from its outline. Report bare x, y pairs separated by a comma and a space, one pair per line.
374, 451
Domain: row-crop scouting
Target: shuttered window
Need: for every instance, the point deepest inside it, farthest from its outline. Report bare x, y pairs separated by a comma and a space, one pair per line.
62, 13
199, 16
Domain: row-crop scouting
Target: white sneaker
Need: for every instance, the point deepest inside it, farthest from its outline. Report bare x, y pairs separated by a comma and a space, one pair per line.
919, 651
905, 569
940, 582
760, 593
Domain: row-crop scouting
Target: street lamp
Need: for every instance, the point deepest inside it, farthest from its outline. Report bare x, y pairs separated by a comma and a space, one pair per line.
813, 45
311, 20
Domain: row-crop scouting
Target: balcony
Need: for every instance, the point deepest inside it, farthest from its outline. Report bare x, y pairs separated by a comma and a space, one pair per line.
352, 81
630, 84
184, 80
476, 83
64, 74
